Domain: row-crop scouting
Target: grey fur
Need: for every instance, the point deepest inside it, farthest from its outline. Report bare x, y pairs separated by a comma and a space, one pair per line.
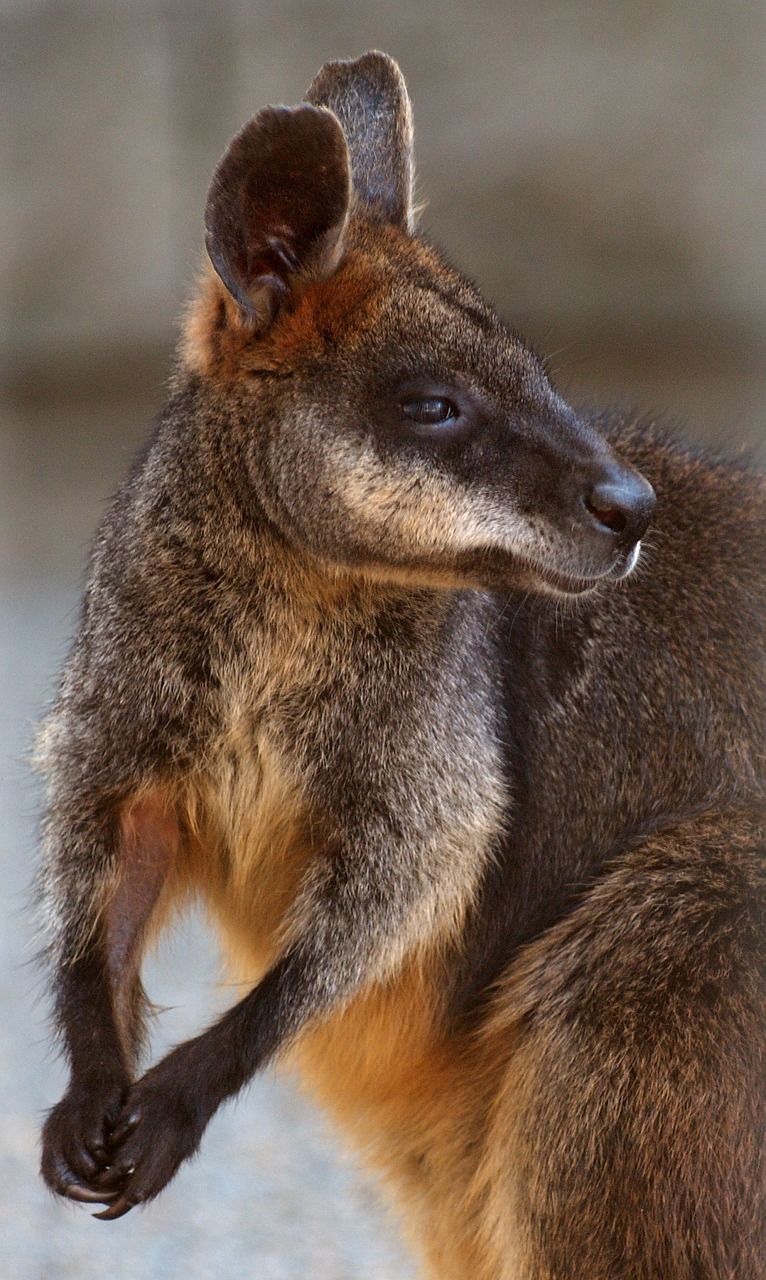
394, 699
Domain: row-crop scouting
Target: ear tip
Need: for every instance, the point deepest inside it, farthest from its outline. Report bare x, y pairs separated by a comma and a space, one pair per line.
304, 130
372, 60
283, 120
374, 67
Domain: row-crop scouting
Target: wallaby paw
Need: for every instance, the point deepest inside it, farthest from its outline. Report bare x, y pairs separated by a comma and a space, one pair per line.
157, 1130
76, 1139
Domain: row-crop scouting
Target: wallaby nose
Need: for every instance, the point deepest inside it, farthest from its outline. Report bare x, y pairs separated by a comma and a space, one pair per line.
623, 502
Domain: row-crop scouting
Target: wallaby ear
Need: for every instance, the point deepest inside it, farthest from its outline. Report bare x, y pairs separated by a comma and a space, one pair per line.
370, 99
278, 206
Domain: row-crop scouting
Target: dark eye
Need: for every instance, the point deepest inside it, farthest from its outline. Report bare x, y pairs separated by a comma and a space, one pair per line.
433, 411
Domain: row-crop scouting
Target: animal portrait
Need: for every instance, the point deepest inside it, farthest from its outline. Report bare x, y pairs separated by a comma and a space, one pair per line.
446, 699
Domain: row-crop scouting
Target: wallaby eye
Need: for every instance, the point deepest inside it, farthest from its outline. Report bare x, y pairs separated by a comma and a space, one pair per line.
430, 411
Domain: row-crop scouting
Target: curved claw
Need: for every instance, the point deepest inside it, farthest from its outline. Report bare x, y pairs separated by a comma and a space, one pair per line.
85, 1196
116, 1210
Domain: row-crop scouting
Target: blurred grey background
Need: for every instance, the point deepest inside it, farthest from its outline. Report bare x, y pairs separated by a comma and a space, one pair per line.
599, 168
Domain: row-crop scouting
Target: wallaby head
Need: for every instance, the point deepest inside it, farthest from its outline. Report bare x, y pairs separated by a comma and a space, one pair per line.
397, 427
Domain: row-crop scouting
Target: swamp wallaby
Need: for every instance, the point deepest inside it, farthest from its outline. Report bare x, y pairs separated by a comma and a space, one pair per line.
366, 662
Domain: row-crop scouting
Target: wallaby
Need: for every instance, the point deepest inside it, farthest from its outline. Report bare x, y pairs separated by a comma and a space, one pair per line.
367, 664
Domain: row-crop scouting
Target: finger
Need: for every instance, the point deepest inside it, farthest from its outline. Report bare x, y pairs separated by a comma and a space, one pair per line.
124, 1127
96, 1153
85, 1196
117, 1210
67, 1159
83, 1161
114, 1174
98, 1140
60, 1176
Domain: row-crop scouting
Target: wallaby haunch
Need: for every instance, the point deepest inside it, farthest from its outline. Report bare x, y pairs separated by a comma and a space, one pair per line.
366, 664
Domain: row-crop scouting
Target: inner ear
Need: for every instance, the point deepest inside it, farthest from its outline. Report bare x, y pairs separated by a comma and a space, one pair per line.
278, 206
370, 99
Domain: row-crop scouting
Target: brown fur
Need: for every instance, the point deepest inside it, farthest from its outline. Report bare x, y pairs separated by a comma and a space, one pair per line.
218, 343
365, 665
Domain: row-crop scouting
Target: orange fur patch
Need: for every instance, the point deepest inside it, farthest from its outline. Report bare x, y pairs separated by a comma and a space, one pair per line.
415, 1099
218, 343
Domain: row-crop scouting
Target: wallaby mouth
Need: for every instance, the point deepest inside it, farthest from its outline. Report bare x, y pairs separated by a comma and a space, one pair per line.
600, 526
613, 510
574, 585
563, 584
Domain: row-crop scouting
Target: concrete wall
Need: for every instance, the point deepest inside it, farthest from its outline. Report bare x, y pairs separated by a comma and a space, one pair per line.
600, 168
601, 163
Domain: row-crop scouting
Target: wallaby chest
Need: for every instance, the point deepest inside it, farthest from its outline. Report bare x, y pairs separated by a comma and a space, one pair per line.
355, 714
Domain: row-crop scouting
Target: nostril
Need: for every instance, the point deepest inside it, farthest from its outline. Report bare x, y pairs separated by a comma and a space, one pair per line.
620, 502
610, 517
